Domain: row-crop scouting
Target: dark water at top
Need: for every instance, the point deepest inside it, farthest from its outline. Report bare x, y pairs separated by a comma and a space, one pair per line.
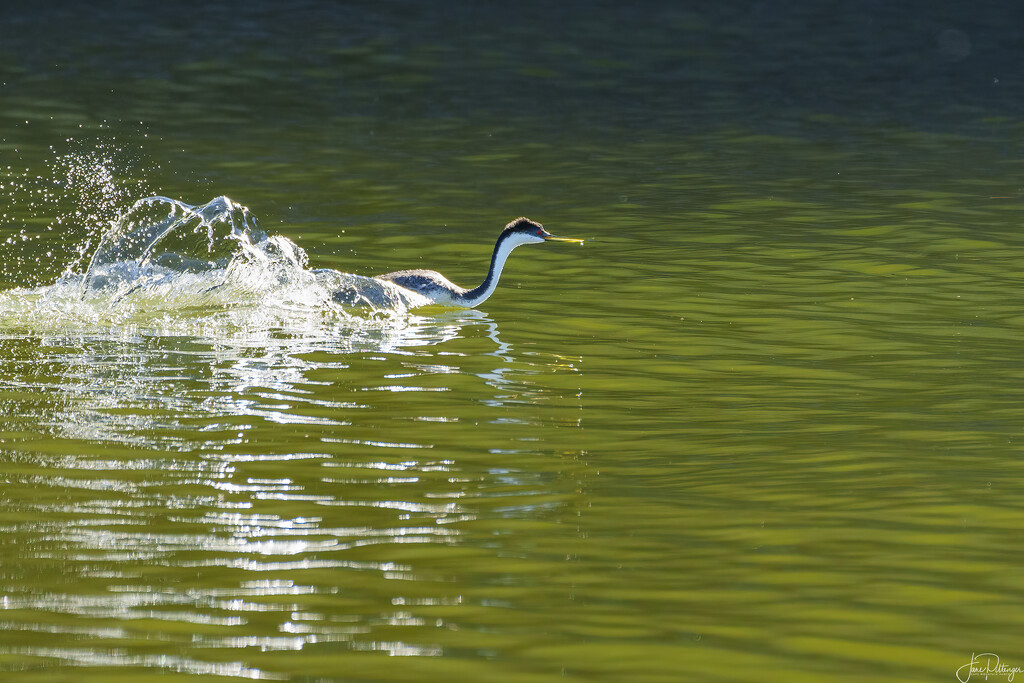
764, 425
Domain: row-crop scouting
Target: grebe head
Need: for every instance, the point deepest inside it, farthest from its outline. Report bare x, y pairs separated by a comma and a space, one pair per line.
524, 231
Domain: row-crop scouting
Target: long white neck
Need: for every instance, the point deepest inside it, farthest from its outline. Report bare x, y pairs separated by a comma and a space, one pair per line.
502, 249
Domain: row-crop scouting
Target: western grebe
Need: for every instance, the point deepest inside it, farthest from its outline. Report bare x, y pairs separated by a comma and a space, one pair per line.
440, 290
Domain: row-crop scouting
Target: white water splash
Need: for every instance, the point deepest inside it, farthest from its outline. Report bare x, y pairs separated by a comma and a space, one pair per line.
183, 268
71, 203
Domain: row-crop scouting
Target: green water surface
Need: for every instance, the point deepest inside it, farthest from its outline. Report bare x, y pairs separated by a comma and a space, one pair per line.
765, 424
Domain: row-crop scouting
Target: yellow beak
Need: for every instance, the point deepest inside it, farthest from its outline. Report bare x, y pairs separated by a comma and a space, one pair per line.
552, 238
